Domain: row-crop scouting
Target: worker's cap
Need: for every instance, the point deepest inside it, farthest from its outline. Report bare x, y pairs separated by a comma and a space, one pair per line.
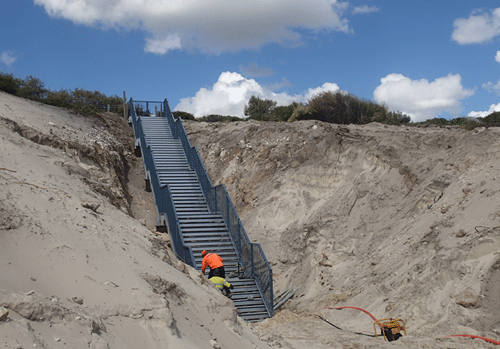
203, 253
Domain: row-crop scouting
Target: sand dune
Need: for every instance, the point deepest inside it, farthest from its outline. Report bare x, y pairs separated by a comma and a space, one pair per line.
400, 221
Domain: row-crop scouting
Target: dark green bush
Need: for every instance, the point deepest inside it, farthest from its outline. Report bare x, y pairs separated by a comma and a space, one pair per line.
493, 118
438, 121
61, 98
9, 84
32, 88
219, 118
334, 107
393, 118
283, 113
183, 115
464, 121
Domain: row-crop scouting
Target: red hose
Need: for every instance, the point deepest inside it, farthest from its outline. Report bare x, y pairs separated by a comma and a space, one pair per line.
364, 311
453, 335
472, 336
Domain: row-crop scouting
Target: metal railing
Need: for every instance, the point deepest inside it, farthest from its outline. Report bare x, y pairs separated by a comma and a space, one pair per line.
162, 195
250, 255
148, 108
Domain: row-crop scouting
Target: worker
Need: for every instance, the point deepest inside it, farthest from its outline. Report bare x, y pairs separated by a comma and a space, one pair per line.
213, 261
221, 283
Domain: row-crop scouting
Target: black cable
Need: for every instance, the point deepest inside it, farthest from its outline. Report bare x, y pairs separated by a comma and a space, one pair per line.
338, 328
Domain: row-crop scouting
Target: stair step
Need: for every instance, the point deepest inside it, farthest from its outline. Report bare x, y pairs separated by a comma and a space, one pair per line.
201, 222
194, 226
207, 216
204, 224
189, 195
206, 235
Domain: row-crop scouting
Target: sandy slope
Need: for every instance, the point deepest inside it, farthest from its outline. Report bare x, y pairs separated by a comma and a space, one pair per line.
401, 221
76, 276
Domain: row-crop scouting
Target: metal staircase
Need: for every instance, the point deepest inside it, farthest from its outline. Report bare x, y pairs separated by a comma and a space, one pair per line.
197, 227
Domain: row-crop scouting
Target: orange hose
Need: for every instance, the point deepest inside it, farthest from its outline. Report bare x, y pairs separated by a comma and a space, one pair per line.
473, 336
364, 311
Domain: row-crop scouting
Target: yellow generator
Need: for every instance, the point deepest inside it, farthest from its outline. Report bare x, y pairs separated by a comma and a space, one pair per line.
390, 328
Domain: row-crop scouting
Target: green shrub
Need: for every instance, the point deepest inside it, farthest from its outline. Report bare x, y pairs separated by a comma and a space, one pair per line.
183, 115
301, 112
61, 98
32, 88
87, 102
283, 113
335, 107
464, 121
394, 118
437, 121
219, 118
493, 118
9, 84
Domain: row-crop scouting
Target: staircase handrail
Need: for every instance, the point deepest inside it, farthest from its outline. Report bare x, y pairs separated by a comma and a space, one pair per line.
163, 196
250, 254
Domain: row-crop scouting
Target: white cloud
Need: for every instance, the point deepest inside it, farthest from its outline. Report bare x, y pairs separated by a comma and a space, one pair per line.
8, 58
491, 88
208, 26
162, 46
488, 86
327, 86
478, 28
482, 114
254, 70
497, 57
422, 99
279, 85
365, 9
230, 94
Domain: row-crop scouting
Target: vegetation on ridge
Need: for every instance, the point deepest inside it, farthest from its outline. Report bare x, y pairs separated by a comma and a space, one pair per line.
332, 107
83, 101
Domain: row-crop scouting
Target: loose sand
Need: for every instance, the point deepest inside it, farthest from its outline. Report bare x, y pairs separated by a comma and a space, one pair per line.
401, 221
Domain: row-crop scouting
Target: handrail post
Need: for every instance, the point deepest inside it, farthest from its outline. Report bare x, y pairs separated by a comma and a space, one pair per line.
253, 262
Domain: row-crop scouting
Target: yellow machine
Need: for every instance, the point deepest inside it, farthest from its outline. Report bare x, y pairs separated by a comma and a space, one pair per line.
390, 328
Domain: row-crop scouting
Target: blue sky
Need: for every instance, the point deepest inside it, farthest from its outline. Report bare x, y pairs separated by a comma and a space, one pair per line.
425, 58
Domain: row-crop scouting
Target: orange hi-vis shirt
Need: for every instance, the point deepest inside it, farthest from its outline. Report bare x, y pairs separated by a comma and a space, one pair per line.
211, 260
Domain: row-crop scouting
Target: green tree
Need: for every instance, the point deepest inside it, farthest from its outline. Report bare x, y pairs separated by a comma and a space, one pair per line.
32, 88
259, 109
